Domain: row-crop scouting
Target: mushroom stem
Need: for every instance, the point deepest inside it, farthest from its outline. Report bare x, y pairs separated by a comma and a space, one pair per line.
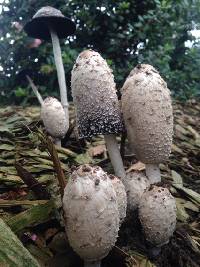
153, 173
57, 142
92, 264
60, 70
115, 156
35, 90
154, 252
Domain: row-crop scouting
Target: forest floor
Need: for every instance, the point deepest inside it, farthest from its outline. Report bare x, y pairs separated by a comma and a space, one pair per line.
30, 202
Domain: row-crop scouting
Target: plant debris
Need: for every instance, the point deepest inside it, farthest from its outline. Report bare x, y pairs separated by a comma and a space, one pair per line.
37, 221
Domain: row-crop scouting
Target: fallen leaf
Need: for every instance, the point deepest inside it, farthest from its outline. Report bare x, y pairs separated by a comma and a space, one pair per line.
97, 150
177, 179
139, 166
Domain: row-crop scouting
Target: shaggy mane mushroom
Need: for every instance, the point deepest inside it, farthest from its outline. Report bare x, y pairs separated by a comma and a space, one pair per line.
97, 106
147, 111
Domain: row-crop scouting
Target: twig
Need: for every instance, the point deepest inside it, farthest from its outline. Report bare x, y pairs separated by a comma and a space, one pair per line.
31, 182
69, 132
46, 141
122, 144
35, 90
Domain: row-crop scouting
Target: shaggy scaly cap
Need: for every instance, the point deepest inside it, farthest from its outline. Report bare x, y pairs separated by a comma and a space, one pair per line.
54, 119
147, 111
91, 213
94, 95
136, 183
121, 196
157, 213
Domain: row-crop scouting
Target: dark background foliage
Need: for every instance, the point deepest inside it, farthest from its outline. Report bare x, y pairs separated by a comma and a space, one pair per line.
124, 32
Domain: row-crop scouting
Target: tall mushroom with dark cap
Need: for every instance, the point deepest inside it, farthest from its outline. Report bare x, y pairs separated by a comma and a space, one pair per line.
97, 106
49, 23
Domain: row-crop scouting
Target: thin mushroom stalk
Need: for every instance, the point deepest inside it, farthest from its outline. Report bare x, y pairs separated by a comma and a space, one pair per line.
92, 264
35, 90
57, 142
60, 70
115, 156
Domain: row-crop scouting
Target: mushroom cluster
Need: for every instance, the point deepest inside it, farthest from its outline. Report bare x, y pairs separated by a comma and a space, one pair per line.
147, 112
94, 202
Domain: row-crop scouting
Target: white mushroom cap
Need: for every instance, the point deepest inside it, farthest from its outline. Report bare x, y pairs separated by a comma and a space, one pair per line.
121, 196
147, 111
136, 183
54, 118
157, 213
91, 213
94, 95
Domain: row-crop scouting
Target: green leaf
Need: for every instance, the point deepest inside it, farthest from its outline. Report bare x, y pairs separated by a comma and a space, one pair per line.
33, 216
84, 158
12, 251
177, 179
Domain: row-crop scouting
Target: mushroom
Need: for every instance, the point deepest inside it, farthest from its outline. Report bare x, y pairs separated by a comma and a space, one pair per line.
147, 111
91, 214
50, 23
97, 106
157, 214
52, 115
54, 119
121, 197
136, 184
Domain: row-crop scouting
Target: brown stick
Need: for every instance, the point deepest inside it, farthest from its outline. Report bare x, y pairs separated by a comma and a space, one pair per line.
46, 141
31, 182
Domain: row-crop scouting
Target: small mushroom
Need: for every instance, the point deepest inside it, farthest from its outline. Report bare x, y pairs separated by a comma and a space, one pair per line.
52, 115
49, 23
97, 106
91, 214
54, 119
147, 111
157, 214
136, 184
121, 197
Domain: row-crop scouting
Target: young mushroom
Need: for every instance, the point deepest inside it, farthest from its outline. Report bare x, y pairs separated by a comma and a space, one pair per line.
54, 119
50, 23
157, 214
97, 106
52, 115
147, 111
91, 214
121, 197
136, 184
